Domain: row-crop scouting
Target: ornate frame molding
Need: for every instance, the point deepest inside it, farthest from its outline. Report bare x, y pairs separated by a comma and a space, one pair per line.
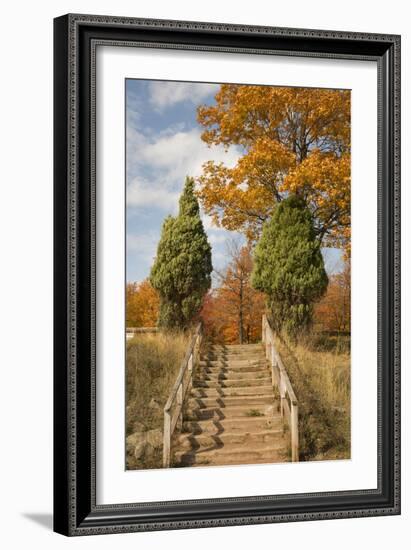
76, 40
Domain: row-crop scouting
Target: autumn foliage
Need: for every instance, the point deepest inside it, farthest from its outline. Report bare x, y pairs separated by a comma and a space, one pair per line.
142, 305
292, 140
333, 312
232, 311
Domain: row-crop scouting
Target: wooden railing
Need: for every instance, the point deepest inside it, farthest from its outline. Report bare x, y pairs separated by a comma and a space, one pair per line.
131, 331
173, 411
280, 379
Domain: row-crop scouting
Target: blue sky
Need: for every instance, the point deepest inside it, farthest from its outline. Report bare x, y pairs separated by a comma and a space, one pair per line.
163, 146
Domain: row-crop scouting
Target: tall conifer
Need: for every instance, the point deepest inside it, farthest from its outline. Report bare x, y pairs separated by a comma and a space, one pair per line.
182, 269
289, 267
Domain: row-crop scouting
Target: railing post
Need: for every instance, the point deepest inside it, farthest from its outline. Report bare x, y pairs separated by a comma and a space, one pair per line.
199, 341
175, 401
272, 363
195, 351
180, 396
167, 439
282, 389
294, 433
190, 367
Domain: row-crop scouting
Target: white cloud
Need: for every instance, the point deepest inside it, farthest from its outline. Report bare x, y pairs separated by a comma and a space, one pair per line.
151, 193
143, 246
135, 141
184, 153
134, 108
169, 158
164, 94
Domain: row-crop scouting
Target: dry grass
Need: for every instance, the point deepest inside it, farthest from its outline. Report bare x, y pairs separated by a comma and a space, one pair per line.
152, 362
319, 369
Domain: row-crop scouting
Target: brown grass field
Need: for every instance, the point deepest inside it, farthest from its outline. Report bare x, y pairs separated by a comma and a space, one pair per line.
153, 362
319, 368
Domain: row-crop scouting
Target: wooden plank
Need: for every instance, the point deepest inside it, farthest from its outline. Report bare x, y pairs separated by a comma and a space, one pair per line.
173, 410
284, 375
275, 376
142, 330
180, 400
167, 440
294, 433
286, 411
183, 368
279, 373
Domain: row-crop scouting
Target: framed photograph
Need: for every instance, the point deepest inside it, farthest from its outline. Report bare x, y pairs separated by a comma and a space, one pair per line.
227, 278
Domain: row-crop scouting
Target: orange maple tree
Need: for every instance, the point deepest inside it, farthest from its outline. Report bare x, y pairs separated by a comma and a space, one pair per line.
291, 140
142, 305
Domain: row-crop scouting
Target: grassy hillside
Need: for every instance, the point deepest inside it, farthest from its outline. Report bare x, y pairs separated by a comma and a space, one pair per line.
319, 369
153, 362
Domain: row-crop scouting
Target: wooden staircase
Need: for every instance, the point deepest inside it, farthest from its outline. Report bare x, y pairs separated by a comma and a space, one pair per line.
231, 415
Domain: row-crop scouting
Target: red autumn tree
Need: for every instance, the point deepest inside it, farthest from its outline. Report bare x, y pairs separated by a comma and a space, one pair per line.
333, 312
232, 311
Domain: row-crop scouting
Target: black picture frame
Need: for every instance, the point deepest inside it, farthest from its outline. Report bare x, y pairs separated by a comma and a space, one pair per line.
75, 40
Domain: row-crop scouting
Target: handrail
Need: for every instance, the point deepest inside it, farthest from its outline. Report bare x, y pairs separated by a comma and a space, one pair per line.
140, 330
178, 394
281, 380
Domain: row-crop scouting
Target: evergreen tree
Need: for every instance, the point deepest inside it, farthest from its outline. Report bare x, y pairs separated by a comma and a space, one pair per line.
289, 267
182, 269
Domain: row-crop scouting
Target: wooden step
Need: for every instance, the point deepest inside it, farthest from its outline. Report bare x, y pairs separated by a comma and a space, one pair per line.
233, 382
234, 424
229, 374
225, 439
209, 374
261, 455
228, 371
218, 391
257, 362
222, 402
231, 356
229, 412
234, 347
